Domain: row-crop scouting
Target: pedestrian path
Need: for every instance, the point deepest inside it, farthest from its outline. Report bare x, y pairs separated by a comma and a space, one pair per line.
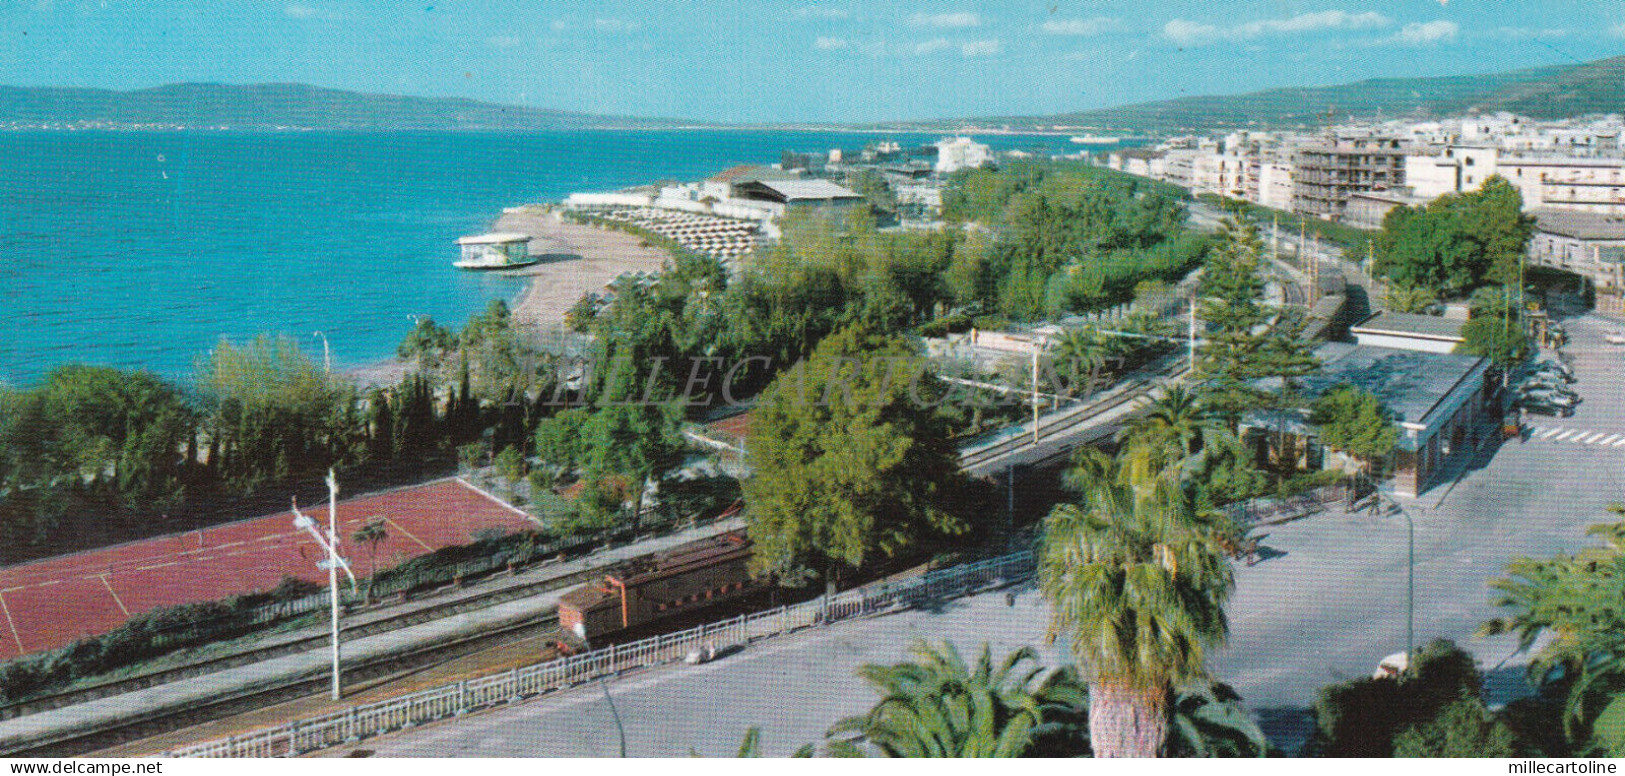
1580, 436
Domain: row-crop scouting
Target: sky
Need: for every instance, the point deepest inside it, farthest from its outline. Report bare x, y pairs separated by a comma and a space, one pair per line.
754, 61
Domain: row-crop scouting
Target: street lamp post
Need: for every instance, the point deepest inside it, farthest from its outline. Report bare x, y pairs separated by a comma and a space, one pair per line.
329, 544
327, 353
1410, 578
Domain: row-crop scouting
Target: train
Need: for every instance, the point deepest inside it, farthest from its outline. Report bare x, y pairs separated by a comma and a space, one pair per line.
648, 589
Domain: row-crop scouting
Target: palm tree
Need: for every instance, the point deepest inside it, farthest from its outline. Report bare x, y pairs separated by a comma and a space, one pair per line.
1085, 351
1575, 599
372, 533
940, 706
1409, 299
1175, 427
1137, 581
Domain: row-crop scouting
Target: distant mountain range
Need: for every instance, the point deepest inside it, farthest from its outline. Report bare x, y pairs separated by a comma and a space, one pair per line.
288, 106
1545, 92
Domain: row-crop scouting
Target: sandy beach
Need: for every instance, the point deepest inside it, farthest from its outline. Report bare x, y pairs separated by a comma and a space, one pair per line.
577, 259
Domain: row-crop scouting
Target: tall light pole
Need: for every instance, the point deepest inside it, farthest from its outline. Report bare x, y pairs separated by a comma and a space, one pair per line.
1035, 392
1191, 336
1410, 579
330, 544
327, 352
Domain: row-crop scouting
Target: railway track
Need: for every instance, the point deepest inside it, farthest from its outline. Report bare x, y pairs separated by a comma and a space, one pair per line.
316, 640
279, 692
1138, 389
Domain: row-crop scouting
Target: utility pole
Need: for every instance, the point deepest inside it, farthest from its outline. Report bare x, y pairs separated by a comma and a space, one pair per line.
333, 571
1191, 336
327, 353
1035, 393
330, 544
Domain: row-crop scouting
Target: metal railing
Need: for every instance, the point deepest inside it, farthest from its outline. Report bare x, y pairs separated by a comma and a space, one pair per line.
451, 700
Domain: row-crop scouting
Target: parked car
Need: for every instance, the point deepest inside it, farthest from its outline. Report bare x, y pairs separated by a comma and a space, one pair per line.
1550, 396
1614, 337
1539, 407
1553, 367
1550, 382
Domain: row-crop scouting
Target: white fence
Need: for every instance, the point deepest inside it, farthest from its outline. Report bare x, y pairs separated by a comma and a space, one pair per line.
452, 700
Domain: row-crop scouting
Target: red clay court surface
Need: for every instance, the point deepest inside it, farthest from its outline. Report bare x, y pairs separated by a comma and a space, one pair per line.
51, 603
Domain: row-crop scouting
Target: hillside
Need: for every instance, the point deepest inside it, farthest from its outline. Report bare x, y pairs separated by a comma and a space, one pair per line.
262, 106
1546, 92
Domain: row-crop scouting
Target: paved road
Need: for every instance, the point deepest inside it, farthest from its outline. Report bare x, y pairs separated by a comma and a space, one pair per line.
1325, 605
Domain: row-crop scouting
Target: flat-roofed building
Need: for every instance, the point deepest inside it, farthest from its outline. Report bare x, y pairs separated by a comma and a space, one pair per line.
1442, 403
1590, 245
1408, 331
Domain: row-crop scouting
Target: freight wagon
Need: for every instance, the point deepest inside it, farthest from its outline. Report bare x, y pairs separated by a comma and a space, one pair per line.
650, 588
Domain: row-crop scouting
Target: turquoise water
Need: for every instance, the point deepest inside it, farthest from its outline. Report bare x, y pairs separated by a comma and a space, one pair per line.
141, 250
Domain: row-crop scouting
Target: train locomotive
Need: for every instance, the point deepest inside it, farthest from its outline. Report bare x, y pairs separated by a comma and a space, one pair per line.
650, 588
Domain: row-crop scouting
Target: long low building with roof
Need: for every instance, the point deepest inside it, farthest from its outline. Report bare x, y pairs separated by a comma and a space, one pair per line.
1442, 403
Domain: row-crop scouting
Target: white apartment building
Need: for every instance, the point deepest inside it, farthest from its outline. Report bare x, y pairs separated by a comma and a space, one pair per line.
960, 153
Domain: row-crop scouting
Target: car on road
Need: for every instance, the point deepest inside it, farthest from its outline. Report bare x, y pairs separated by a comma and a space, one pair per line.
1614, 337
1549, 397
1551, 383
1555, 368
1539, 407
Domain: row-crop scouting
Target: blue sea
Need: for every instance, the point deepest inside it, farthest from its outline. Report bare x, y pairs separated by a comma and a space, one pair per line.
142, 250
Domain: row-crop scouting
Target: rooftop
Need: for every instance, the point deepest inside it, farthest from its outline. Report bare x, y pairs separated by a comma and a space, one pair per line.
1580, 226
494, 238
1410, 383
753, 172
809, 189
1410, 325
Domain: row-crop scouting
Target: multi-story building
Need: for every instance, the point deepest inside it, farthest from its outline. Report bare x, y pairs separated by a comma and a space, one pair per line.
1589, 245
1325, 174
959, 153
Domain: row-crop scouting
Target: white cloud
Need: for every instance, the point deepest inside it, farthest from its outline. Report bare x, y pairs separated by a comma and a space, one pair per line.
300, 11
502, 41
825, 43
932, 46
1079, 27
1618, 30
1191, 33
981, 48
953, 20
1417, 33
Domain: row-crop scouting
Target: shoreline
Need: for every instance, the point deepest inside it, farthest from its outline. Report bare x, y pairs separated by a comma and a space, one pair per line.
580, 259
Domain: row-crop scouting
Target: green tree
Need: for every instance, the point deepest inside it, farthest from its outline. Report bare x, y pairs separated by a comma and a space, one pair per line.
1355, 422
1086, 353
938, 705
1463, 728
1435, 708
850, 459
1457, 242
639, 443
1496, 329
1138, 582
426, 344
270, 412
1403, 298
1209, 720
1578, 602
371, 533
1244, 342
